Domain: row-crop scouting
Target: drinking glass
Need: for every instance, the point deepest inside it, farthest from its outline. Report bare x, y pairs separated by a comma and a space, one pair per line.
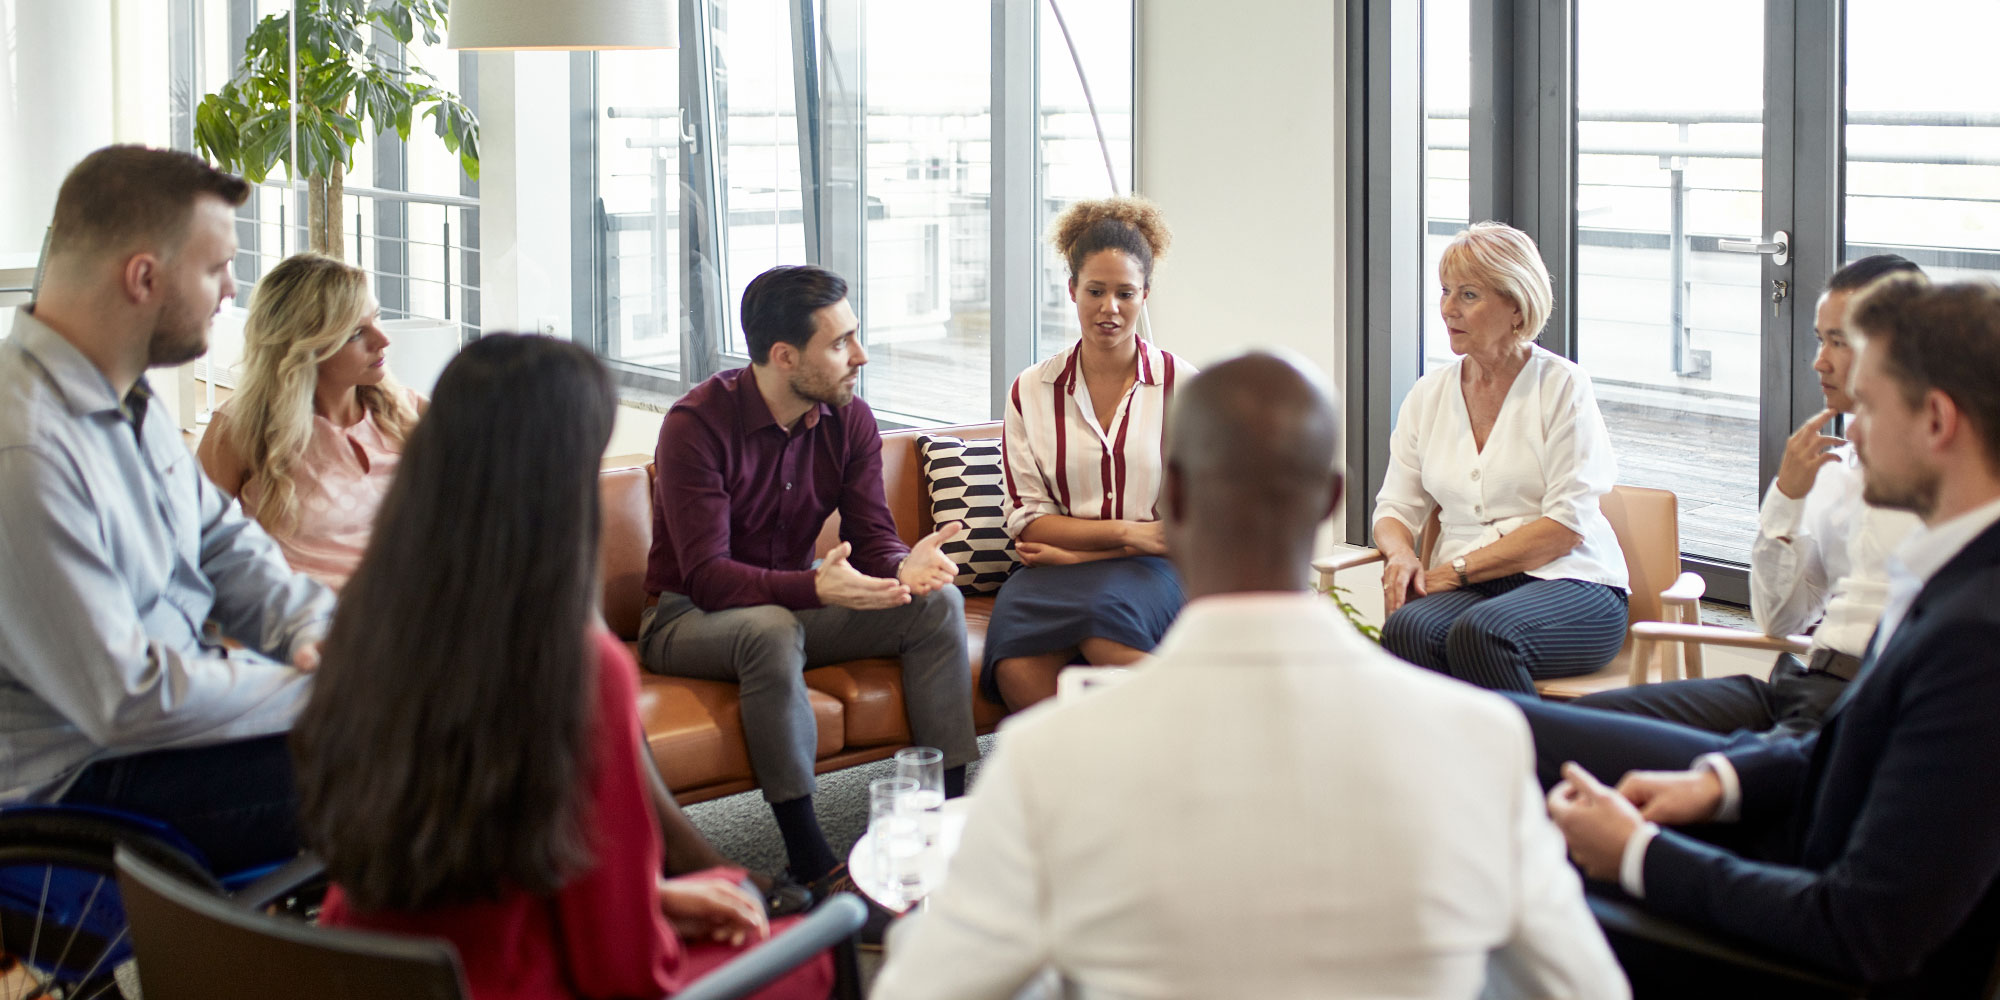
924, 765
895, 831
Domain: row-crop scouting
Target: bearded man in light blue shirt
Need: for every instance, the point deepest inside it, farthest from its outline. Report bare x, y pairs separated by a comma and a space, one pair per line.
125, 567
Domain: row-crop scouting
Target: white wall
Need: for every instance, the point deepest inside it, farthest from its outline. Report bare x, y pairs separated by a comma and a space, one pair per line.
1240, 143
524, 178
59, 107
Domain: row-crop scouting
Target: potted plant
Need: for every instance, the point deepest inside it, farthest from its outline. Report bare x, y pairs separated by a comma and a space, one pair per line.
347, 89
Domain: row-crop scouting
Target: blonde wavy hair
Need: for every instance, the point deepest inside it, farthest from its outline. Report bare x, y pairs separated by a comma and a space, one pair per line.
303, 311
1506, 260
1131, 224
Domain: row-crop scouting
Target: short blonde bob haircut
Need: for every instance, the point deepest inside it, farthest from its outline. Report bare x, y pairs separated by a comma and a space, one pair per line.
1506, 260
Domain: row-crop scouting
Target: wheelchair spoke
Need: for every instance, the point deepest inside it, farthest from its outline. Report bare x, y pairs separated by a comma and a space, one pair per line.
82, 917
110, 981
41, 911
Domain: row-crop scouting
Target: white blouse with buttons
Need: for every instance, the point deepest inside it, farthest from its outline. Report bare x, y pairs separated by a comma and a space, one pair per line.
1548, 455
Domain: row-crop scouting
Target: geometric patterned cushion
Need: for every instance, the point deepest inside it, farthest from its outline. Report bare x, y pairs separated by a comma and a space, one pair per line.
965, 482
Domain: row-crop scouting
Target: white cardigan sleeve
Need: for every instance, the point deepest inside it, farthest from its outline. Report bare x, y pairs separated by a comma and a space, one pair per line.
1580, 465
1403, 497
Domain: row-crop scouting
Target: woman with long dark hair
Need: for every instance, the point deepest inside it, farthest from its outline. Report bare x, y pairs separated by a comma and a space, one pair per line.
469, 765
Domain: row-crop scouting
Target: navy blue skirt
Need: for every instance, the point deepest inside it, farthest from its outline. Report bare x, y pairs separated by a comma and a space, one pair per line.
1041, 609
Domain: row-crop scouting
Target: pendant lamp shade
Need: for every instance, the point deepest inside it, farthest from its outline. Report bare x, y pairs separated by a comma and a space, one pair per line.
577, 24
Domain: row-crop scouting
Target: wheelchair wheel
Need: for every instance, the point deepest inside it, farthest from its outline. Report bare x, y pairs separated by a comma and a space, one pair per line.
62, 924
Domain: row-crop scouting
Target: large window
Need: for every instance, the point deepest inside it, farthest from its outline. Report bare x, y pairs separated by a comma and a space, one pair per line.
1661, 156
1447, 139
1923, 136
851, 135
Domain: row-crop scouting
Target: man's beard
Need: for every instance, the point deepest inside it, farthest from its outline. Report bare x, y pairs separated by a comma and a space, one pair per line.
834, 392
1916, 493
179, 336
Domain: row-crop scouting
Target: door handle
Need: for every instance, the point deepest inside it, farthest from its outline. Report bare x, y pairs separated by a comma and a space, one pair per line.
1780, 247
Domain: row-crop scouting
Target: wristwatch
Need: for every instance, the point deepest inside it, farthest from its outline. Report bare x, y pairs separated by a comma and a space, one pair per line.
1458, 566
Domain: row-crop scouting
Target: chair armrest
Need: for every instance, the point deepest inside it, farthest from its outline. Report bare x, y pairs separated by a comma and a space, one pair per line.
1685, 590
830, 923
1620, 918
1346, 560
1716, 635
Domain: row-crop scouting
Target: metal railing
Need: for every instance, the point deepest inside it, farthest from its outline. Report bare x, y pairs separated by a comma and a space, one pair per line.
424, 267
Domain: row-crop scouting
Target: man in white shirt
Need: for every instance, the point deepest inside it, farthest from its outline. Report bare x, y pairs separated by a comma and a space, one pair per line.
1866, 849
1820, 556
1272, 807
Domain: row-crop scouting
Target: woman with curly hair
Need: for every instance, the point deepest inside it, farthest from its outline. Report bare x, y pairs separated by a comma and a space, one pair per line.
1082, 447
313, 435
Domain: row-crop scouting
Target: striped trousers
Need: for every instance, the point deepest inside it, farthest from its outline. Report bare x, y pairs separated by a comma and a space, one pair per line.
1505, 634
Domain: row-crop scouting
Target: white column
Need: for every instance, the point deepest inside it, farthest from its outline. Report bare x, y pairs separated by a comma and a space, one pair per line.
61, 108
524, 193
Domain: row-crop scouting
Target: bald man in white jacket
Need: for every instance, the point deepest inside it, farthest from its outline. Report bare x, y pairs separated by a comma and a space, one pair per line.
1271, 807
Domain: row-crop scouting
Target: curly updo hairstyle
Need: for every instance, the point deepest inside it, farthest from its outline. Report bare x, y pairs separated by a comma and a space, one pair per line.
1131, 224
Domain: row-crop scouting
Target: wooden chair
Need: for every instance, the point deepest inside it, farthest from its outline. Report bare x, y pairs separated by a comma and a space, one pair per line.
1665, 603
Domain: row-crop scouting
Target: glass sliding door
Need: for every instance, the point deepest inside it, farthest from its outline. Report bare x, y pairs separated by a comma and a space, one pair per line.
1670, 133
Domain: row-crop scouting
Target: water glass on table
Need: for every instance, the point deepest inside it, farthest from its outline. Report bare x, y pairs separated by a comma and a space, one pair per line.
896, 832
924, 765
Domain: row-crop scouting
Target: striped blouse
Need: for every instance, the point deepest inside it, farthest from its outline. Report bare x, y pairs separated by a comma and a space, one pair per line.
1059, 461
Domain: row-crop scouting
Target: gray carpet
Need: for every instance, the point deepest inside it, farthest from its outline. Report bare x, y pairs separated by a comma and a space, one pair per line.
741, 827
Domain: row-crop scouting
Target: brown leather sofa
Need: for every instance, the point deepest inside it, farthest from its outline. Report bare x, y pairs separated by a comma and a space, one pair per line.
695, 727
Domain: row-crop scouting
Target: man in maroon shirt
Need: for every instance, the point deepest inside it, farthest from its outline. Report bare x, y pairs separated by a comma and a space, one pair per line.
750, 464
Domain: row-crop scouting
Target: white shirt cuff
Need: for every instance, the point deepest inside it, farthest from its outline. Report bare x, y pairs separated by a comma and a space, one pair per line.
1731, 808
1780, 516
1632, 865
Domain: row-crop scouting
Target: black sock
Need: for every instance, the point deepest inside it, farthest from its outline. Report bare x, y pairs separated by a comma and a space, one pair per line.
954, 781
805, 846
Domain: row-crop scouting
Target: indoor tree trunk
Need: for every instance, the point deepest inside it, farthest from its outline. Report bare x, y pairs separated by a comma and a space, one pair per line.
324, 212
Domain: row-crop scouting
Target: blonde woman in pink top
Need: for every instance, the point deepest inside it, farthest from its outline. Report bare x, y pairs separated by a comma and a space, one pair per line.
313, 435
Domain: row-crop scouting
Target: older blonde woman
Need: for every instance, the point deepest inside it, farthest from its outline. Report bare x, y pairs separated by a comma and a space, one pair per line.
313, 435
1526, 581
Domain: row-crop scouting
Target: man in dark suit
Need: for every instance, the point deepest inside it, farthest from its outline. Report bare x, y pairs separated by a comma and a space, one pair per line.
1871, 848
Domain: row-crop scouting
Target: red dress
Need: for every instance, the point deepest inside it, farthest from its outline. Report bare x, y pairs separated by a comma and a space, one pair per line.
602, 934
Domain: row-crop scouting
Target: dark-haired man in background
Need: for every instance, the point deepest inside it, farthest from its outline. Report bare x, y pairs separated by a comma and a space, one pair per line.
750, 464
121, 560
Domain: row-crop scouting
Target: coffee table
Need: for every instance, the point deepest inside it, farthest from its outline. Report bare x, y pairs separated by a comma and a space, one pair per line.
876, 886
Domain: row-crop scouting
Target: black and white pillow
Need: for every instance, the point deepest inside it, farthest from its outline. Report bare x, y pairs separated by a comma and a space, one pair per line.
965, 482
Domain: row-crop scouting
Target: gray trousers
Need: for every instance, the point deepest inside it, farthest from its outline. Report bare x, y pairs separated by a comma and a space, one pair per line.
766, 650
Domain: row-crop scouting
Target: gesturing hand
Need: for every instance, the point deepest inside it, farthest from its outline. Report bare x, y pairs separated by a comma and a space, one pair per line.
707, 909
839, 584
1402, 580
1674, 798
305, 656
1805, 451
927, 568
1595, 820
